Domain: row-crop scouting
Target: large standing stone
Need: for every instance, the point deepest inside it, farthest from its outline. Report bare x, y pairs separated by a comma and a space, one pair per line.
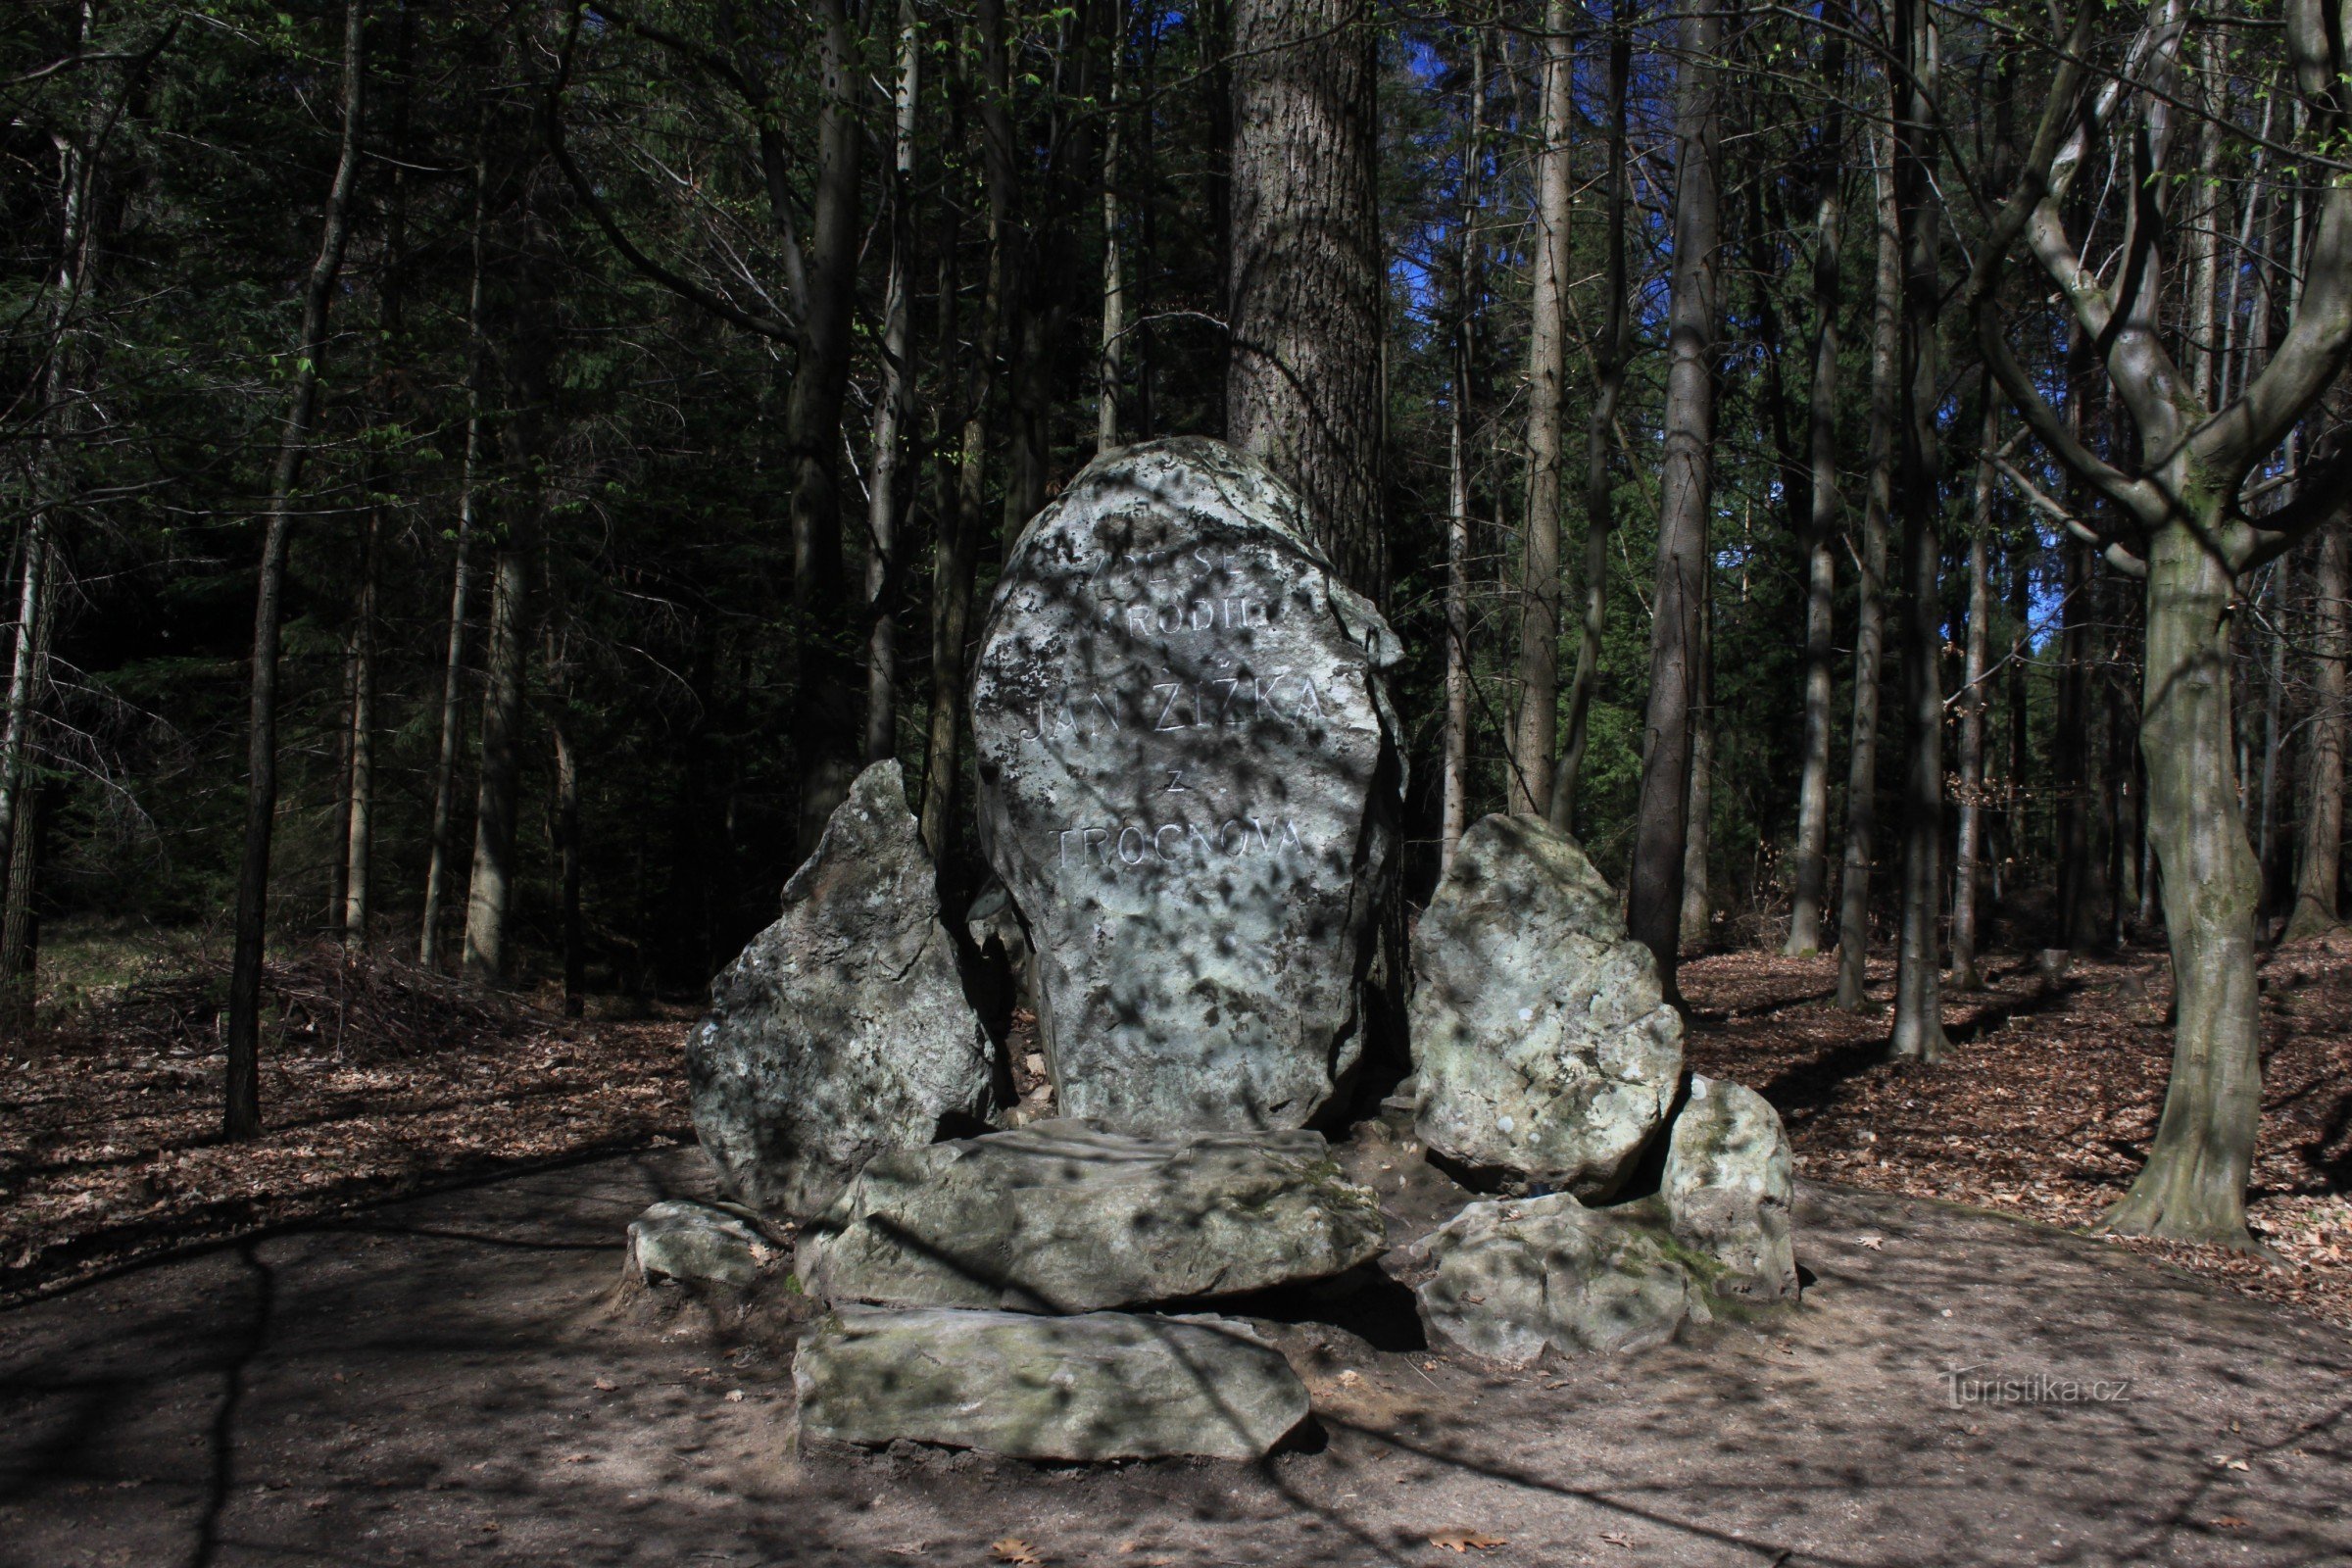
1188, 780
1105, 1386
1062, 1217
1544, 1049
1730, 1179
1514, 1277
842, 1031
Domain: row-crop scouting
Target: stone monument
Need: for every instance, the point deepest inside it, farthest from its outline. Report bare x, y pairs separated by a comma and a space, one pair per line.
1189, 781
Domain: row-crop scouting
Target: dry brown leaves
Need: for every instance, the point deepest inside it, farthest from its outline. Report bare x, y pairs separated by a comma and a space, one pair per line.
2050, 1095
109, 1140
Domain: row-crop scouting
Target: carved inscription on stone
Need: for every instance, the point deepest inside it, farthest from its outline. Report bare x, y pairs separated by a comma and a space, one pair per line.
1187, 783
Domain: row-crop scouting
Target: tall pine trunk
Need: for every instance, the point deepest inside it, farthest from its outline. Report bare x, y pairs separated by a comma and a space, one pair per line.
1654, 904
1537, 725
1870, 592
892, 410
1303, 387
2321, 858
241, 1114
1812, 856
1608, 386
1455, 803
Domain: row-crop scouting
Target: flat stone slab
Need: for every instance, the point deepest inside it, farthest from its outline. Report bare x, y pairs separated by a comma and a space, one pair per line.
1545, 1052
1516, 1277
678, 1239
1099, 1386
1189, 783
1060, 1216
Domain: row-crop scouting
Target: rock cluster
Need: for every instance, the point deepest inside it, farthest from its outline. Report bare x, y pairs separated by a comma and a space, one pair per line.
1189, 788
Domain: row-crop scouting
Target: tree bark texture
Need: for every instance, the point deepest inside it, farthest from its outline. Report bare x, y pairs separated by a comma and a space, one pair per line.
892, 410
2321, 861
1654, 905
1302, 389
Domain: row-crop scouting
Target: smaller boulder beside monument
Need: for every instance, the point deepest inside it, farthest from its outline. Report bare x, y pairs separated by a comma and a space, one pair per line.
1544, 1051
1729, 1181
843, 1030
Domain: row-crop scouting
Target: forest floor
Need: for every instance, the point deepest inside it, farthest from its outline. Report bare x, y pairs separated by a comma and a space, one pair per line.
347, 1375
383, 1081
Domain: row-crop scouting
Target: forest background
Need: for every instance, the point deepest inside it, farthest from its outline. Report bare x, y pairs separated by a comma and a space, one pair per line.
511, 463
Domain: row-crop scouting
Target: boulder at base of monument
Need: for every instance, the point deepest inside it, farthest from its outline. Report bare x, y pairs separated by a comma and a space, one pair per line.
1102, 1386
1544, 1049
1729, 1180
842, 1031
1189, 782
678, 1239
1511, 1278
1062, 1217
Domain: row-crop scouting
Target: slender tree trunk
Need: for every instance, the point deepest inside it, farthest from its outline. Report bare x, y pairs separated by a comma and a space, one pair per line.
1821, 540
1698, 908
1918, 1034
2321, 861
1969, 852
1535, 733
242, 1105
1455, 809
19, 926
1862, 764
825, 732
2274, 697
2070, 755
1654, 904
452, 660
1302, 390
1114, 261
28, 670
892, 410
490, 888
2019, 553
360, 819
1608, 386
568, 837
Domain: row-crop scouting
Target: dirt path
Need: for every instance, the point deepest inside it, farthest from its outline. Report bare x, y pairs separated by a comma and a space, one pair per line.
447, 1380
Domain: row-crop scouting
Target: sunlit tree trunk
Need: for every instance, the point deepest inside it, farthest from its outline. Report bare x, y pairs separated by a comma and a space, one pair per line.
1303, 388
1698, 906
1538, 724
1455, 805
241, 1103
1968, 851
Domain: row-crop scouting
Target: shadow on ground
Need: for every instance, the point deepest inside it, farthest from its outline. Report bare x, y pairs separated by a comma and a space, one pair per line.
447, 1379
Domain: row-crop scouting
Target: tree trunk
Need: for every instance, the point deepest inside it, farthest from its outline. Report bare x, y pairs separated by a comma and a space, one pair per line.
892, 410
2194, 1186
1969, 852
1918, 1034
241, 1115
1534, 734
1698, 909
490, 890
27, 672
1608, 386
1654, 902
568, 848
825, 731
1302, 390
1862, 757
461, 580
1454, 807
2318, 866
1114, 261
20, 866
1812, 856
359, 816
